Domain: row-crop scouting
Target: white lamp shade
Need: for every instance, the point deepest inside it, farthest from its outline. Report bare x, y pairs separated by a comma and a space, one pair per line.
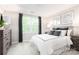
49, 24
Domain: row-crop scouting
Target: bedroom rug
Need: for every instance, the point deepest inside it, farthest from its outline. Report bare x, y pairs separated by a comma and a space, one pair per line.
27, 48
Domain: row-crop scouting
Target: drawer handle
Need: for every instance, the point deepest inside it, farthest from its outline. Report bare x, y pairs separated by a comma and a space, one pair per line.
5, 34
7, 39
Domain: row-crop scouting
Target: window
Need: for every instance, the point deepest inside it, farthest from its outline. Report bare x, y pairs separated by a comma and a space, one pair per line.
30, 24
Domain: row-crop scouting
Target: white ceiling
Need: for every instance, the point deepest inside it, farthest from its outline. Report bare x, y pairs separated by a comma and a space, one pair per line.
43, 9
36, 9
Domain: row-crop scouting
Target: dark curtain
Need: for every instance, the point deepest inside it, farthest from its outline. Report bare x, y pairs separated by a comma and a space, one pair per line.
20, 27
40, 27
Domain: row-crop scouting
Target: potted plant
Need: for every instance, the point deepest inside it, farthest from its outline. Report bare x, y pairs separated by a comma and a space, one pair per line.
1, 23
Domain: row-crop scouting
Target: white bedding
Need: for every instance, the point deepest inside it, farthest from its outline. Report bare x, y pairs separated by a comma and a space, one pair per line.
47, 44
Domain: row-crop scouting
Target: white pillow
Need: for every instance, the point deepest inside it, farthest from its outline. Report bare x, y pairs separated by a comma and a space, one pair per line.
69, 32
63, 32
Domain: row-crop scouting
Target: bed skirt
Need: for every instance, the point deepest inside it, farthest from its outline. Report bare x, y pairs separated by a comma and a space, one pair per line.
61, 50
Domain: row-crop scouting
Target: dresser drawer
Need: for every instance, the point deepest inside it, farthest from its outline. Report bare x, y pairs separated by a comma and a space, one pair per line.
6, 39
6, 34
6, 47
1, 49
1, 35
6, 43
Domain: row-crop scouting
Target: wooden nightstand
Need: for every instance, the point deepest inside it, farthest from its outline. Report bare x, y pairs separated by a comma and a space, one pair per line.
75, 40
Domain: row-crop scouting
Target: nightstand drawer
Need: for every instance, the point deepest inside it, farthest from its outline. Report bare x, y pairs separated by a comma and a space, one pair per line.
75, 40
77, 48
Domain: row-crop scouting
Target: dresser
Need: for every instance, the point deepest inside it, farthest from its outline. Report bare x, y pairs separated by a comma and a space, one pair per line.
75, 40
5, 39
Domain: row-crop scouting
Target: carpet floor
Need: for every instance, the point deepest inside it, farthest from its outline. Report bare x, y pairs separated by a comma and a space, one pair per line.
27, 48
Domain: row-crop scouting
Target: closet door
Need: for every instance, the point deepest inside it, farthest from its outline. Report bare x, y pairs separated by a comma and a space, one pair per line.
30, 26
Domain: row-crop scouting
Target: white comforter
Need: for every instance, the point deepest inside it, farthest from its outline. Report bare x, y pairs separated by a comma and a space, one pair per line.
46, 44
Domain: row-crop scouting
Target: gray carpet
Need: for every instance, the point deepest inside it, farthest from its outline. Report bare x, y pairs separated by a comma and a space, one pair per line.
23, 49
71, 52
29, 49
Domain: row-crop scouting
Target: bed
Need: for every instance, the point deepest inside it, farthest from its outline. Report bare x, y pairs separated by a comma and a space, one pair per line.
52, 44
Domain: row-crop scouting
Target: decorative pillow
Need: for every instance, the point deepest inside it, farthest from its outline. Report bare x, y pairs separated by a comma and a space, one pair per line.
51, 33
69, 32
57, 33
63, 30
46, 32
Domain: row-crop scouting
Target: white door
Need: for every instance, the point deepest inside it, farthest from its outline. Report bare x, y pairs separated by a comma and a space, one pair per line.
30, 26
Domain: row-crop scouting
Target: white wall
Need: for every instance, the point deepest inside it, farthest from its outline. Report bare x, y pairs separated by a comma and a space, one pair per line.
13, 25
44, 24
76, 21
11, 11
